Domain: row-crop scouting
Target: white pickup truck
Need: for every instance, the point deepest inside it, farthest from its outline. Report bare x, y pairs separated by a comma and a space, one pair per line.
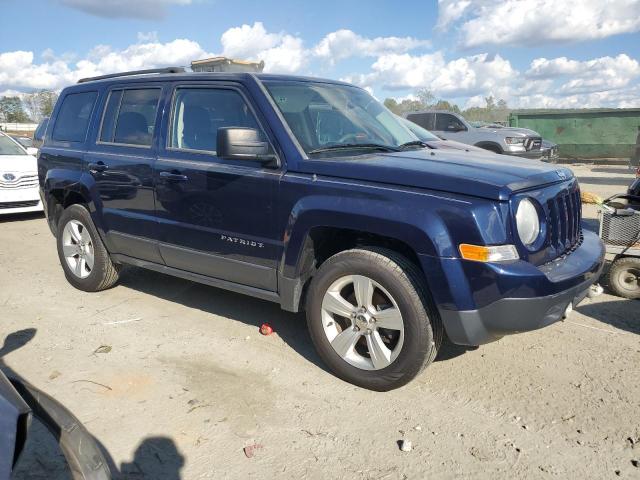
520, 142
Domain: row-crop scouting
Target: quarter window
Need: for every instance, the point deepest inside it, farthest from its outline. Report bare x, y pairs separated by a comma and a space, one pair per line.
130, 116
73, 117
198, 113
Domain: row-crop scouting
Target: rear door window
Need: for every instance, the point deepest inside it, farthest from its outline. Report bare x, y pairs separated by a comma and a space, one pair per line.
129, 117
74, 116
425, 120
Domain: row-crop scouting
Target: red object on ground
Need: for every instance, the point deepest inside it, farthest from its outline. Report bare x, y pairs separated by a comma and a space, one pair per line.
250, 451
266, 329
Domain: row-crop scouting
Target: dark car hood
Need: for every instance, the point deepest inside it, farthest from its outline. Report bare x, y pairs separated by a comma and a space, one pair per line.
489, 176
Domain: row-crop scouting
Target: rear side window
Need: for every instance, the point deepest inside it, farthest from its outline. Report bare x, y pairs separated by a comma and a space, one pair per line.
425, 120
73, 118
130, 116
198, 113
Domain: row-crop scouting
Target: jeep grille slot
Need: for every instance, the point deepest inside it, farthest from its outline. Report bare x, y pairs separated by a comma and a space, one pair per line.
564, 215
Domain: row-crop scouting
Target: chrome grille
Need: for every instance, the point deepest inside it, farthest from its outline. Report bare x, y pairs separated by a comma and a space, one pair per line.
533, 143
23, 204
25, 181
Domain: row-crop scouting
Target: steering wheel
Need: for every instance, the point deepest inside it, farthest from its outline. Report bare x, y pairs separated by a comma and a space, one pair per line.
349, 136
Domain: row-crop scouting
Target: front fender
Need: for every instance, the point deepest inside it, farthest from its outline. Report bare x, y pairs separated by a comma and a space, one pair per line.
429, 223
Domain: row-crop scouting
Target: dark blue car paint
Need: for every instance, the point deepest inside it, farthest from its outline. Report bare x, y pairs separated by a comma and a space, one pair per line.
253, 222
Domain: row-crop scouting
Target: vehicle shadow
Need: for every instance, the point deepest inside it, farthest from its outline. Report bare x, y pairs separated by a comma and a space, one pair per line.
19, 217
156, 458
621, 170
614, 313
450, 350
291, 327
605, 181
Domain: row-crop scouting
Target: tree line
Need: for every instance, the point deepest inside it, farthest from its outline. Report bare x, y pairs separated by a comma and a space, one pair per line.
30, 107
493, 111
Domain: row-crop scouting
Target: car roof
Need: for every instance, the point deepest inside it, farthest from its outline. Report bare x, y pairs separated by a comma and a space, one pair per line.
432, 111
128, 77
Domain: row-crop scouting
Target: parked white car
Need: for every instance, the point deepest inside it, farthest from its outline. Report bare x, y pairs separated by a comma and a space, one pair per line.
18, 178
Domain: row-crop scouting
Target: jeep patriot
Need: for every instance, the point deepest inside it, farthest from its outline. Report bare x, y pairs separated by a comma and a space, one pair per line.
311, 194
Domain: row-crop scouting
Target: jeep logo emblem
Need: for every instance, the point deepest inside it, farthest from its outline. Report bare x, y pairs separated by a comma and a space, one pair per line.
9, 177
561, 174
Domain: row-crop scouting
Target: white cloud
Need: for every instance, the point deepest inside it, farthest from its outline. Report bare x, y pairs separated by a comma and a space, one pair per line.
534, 22
281, 52
286, 53
343, 44
557, 82
465, 76
145, 9
590, 76
18, 70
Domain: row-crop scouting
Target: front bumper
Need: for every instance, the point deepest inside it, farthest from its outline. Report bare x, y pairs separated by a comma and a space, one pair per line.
20, 207
540, 300
530, 154
20, 200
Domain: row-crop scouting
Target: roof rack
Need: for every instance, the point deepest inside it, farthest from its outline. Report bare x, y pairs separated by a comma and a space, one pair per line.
134, 72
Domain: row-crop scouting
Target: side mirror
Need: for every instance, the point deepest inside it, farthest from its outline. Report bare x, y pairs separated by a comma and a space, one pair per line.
32, 151
235, 143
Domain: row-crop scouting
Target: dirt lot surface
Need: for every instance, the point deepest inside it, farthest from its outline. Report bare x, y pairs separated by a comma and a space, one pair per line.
188, 382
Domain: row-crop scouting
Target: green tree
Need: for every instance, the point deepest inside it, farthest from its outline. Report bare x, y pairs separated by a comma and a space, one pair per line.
46, 101
392, 104
426, 98
11, 110
40, 104
445, 105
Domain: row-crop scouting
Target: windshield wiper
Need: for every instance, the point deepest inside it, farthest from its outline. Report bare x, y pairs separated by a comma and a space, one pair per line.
351, 146
413, 143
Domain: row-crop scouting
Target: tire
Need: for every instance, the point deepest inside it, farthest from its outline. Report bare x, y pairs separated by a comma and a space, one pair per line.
398, 284
492, 148
624, 277
99, 275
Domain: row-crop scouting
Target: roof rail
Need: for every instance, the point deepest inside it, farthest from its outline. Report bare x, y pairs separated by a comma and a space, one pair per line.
134, 72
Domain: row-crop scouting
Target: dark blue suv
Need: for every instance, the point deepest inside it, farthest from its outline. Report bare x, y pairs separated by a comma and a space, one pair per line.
309, 193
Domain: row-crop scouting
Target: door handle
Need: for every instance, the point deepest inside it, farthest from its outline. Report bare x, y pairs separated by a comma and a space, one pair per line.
174, 177
97, 167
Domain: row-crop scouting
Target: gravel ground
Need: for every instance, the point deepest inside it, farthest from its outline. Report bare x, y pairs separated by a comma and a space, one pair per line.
189, 382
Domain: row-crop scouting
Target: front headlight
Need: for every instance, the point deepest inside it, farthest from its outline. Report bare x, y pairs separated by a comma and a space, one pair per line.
527, 222
514, 140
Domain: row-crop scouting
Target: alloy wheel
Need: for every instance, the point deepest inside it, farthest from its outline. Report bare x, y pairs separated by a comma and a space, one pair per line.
77, 248
362, 322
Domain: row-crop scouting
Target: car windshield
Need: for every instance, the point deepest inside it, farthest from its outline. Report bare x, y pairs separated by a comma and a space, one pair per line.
328, 117
9, 147
418, 131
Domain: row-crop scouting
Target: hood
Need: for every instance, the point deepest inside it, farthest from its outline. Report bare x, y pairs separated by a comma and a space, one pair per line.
453, 145
513, 131
22, 164
494, 177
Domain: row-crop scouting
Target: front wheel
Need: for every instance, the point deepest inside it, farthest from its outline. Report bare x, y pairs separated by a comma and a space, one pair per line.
624, 277
371, 320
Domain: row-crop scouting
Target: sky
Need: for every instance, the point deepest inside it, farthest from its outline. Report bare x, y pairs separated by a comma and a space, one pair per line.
531, 53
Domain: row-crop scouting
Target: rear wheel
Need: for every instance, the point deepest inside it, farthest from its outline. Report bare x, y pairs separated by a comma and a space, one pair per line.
624, 277
84, 259
370, 318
